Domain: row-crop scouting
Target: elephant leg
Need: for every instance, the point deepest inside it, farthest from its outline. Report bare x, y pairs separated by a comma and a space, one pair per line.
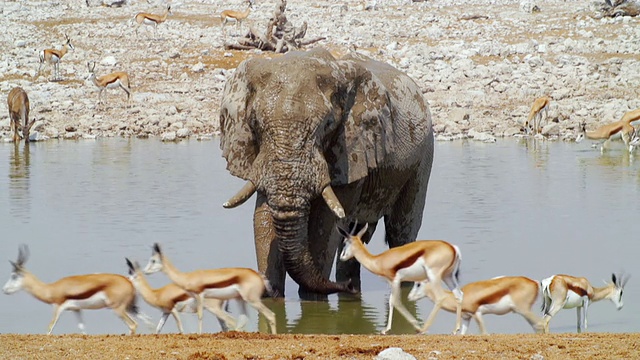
269, 257
323, 242
403, 221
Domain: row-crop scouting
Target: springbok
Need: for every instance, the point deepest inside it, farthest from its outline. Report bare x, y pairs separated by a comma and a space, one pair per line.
622, 129
566, 292
118, 79
432, 260
535, 115
18, 104
242, 284
53, 56
151, 19
499, 296
77, 293
172, 299
235, 16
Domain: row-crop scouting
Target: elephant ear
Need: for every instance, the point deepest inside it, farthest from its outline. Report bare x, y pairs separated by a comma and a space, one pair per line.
365, 139
237, 140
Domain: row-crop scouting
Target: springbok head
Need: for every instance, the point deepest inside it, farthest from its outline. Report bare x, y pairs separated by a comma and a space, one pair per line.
17, 274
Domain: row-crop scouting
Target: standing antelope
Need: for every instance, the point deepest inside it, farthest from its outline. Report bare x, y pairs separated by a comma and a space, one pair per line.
53, 56
566, 292
235, 16
432, 260
499, 296
224, 284
171, 299
540, 104
77, 293
622, 129
18, 104
118, 79
151, 19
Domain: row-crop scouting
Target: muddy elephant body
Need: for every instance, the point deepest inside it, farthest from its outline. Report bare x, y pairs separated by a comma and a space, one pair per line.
324, 140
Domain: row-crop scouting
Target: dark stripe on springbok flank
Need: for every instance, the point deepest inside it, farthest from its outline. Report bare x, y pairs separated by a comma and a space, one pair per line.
408, 261
578, 290
494, 297
222, 284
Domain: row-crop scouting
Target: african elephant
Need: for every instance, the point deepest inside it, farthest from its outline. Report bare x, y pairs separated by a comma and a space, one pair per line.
317, 138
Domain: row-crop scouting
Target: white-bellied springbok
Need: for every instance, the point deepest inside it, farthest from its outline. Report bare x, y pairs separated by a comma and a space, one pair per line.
118, 79
18, 104
172, 299
77, 293
151, 19
622, 129
535, 115
566, 292
498, 296
53, 56
225, 284
432, 260
235, 16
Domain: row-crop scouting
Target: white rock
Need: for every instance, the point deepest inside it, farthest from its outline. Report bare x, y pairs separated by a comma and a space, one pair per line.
20, 43
394, 353
108, 61
198, 68
183, 133
169, 136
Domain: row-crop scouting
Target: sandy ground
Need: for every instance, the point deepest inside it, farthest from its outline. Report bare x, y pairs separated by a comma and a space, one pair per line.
235, 345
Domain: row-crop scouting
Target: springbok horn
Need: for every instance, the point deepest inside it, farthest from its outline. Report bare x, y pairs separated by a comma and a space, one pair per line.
243, 195
333, 202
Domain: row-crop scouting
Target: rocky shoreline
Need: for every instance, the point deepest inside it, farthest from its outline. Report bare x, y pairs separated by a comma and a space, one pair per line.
480, 63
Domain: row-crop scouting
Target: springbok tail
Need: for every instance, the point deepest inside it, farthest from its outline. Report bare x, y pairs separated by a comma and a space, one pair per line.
546, 296
134, 310
267, 285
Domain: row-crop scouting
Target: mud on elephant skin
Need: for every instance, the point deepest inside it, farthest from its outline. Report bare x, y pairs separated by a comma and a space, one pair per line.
319, 138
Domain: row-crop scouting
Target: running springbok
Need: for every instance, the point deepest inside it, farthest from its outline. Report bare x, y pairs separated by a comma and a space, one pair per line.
151, 19
566, 292
118, 79
18, 104
432, 260
53, 56
535, 115
235, 16
498, 296
224, 284
172, 299
622, 129
77, 293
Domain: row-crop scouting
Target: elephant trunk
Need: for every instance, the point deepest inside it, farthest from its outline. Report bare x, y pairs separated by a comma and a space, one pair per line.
291, 229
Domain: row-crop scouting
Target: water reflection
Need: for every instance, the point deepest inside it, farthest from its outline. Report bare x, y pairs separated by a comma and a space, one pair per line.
516, 207
19, 182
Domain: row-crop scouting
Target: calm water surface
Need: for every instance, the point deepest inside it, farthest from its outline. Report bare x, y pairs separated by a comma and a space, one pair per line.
514, 208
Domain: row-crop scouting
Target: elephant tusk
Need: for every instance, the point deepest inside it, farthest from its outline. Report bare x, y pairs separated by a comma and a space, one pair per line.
243, 195
333, 202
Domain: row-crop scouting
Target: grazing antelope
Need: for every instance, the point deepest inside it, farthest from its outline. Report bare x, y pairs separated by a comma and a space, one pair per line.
622, 129
18, 104
53, 56
171, 299
151, 19
77, 293
566, 292
499, 296
235, 16
432, 260
224, 284
118, 79
535, 115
